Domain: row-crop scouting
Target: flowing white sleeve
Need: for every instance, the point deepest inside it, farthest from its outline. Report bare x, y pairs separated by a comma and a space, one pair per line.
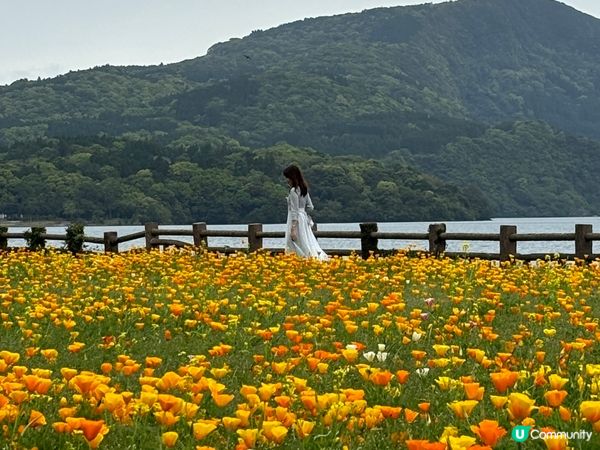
294, 201
309, 203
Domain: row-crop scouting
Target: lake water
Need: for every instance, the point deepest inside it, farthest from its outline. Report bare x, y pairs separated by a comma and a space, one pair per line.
524, 225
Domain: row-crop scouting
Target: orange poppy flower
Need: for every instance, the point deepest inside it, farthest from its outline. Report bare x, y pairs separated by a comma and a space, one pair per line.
421, 444
473, 391
231, 423
590, 410
381, 377
244, 416
402, 376
153, 361
50, 354
266, 391
555, 398
274, 431
476, 354
9, 358
303, 427
489, 432
90, 428
36, 419
390, 412
519, 406
498, 401
410, 415
565, 413
416, 444
504, 380
170, 403
168, 381
540, 356
350, 355
283, 400
555, 442
68, 373
424, 406
203, 429
353, 394
248, 436
61, 427
462, 409
166, 418
222, 400
418, 354
112, 401
170, 438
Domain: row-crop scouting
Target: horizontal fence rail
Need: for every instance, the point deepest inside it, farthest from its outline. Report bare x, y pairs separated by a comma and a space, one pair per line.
369, 236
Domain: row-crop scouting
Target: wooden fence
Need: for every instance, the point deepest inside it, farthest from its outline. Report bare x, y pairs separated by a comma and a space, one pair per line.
369, 236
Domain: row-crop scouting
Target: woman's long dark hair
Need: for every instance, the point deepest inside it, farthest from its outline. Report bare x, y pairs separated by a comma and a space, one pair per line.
293, 173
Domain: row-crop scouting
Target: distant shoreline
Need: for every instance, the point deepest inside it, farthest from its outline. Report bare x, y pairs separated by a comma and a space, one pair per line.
62, 223
56, 223
19, 223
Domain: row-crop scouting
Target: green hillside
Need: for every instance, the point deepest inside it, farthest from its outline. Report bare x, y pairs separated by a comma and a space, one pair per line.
445, 91
525, 169
204, 176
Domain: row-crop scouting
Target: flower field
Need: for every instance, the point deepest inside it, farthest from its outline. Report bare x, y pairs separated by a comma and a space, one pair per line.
182, 350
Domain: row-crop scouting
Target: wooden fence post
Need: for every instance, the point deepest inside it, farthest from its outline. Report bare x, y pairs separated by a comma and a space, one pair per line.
368, 244
437, 245
200, 240
583, 246
3, 239
254, 241
149, 228
508, 247
110, 242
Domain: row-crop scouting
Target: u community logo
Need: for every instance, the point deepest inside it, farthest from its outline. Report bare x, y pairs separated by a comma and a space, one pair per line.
521, 433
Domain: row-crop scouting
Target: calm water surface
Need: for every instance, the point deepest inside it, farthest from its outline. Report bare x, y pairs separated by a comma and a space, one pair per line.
524, 225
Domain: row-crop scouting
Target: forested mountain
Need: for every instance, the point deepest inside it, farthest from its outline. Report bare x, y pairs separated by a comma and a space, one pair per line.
525, 169
462, 91
203, 176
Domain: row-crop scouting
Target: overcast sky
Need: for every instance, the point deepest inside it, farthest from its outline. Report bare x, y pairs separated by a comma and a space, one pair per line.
48, 37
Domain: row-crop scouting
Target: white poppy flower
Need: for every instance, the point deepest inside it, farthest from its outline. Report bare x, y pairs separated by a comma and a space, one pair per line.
381, 356
369, 356
423, 371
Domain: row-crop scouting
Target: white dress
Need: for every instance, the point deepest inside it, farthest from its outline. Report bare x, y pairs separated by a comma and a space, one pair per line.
306, 244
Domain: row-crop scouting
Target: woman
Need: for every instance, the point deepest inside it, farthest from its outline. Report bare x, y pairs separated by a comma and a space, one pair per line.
299, 237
